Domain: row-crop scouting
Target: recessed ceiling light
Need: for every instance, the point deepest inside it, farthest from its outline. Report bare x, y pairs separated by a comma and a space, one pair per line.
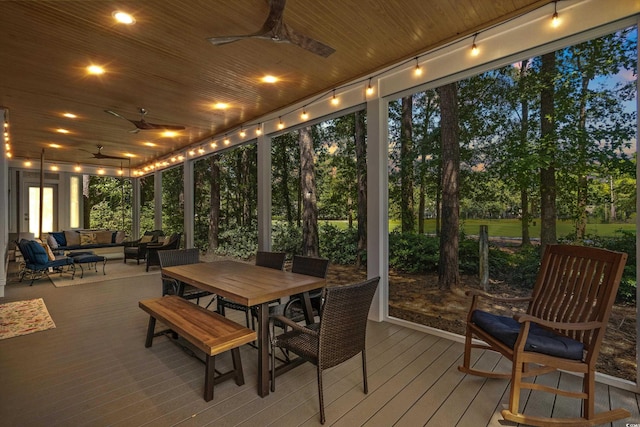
269, 79
220, 105
123, 17
149, 144
70, 116
96, 70
129, 155
55, 145
61, 130
169, 133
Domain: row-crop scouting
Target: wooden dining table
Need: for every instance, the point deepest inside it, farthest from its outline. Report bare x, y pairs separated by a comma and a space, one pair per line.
250, 285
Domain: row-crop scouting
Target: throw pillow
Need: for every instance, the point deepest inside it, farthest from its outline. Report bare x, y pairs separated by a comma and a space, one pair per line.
59, 236
72, 237
49, 252
120, 236
52, 242
103, 237
87, 238
146, 239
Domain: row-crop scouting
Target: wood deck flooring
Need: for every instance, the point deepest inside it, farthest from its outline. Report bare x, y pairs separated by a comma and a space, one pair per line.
93, 370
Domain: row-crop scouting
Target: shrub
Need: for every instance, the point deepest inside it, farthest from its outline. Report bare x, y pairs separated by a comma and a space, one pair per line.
339, 245
286, 238
241, 242
413, 253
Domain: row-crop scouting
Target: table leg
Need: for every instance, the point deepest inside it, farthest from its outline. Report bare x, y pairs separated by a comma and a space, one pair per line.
306, 308
263, 349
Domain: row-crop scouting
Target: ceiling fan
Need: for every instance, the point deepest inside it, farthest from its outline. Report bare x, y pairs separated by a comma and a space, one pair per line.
99, 154
142, 124
276, 30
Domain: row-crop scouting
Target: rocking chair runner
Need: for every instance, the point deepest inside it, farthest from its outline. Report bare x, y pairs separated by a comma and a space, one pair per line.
563, 329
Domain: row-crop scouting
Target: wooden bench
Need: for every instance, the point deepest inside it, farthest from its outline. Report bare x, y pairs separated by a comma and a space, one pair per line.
209, 332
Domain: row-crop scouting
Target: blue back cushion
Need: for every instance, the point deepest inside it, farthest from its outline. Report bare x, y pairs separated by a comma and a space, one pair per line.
59, 236
39, 255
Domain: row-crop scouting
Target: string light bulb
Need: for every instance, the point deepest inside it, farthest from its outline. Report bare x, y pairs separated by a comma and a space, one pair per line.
259, 129
304, 114
555, 20
418, 70
369, 88
226, 140
334, 100
280, 123
474, 47
242, 133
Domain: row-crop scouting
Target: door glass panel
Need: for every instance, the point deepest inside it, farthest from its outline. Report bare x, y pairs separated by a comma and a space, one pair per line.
34, 210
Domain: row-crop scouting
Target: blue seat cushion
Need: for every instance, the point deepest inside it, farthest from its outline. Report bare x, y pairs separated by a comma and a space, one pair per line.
540, 340
59, 262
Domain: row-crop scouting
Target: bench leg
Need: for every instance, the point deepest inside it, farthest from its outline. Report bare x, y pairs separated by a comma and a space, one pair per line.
209, 377
150, 329
237, 366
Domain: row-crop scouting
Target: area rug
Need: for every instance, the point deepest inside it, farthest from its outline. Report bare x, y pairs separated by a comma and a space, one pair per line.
24, 317
115, 269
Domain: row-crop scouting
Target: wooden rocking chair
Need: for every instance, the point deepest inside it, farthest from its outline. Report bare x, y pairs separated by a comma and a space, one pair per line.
562, 329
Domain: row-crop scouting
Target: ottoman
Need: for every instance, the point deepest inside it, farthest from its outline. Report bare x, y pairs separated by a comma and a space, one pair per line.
90, 259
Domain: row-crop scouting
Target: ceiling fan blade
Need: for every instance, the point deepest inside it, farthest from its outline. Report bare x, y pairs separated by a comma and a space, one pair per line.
307, 43
270, 28
219, 41
113, 113
106, 156
144, 125
166, 127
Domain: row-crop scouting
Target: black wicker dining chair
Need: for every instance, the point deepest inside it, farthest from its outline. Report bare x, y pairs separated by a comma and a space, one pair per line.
338, 336
171, 286
267, 259
310, 266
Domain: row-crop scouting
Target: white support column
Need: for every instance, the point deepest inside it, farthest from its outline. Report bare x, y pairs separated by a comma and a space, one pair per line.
378, 204
135, 208
157, 198
189, 211
264, 192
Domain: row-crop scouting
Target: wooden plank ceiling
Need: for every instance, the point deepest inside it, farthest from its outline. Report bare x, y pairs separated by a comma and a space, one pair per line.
165, 64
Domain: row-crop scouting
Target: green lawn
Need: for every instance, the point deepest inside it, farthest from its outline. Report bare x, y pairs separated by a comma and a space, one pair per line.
512, 227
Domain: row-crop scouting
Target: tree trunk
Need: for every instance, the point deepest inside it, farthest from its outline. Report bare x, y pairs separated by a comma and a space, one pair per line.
361, 176
524, 136
439, 202
245, 178
283, 167
448, 274
310, 244
406, 166
583, 179
214, 208
547, 150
